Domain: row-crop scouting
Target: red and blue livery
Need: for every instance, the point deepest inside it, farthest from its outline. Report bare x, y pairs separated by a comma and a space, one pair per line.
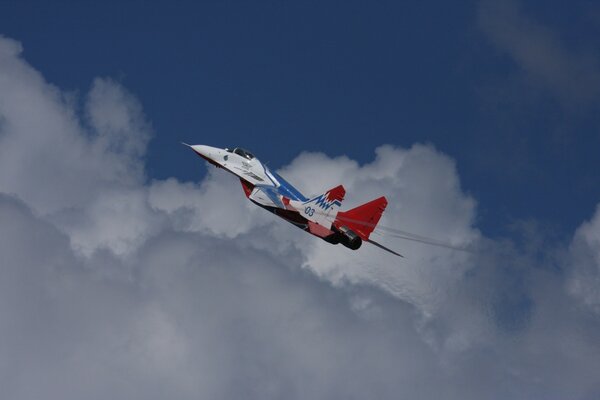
319, 215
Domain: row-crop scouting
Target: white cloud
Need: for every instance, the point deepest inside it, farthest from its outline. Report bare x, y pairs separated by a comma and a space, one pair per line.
113, 287
117, 118
424, 197
192, 207
117, 220
47, 157
584, 282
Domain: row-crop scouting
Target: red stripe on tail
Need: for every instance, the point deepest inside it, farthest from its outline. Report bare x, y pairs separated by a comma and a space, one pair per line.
362, 219
337, 193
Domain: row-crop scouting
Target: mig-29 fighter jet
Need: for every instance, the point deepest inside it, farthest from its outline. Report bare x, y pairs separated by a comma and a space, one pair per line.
319, 215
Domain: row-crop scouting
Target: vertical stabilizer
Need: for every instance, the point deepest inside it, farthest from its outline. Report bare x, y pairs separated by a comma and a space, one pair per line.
323, 208
362, 219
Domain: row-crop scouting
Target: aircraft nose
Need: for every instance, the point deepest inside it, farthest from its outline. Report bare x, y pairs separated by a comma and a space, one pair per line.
205, 151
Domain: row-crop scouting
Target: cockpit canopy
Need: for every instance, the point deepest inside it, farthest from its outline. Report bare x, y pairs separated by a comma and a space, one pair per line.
242, 152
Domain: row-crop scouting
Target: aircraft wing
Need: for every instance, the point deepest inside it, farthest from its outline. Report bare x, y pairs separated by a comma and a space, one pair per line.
266, 196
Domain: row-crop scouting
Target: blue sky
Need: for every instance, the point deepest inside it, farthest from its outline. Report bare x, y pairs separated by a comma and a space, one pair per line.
342, 78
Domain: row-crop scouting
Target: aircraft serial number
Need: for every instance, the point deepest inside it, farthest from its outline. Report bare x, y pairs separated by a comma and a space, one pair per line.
309, 211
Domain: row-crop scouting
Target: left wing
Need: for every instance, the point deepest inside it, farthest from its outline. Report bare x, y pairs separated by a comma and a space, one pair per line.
266, 196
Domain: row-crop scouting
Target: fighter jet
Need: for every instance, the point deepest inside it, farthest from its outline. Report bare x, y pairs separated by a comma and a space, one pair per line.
319, 215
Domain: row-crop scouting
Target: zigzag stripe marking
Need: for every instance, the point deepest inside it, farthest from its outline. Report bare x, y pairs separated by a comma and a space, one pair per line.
323, 203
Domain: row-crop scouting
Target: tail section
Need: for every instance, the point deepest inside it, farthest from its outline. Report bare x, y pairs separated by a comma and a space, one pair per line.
362, 219
323, 208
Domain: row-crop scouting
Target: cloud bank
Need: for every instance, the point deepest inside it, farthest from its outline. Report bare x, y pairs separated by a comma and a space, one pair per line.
116, 286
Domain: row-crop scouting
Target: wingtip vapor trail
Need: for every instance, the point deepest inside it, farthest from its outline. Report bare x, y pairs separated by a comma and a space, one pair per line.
400, 234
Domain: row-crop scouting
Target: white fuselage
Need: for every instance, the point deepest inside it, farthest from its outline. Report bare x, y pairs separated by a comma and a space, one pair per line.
249, 168
317, 215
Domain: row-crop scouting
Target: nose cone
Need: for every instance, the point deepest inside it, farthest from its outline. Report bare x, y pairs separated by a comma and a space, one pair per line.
213, 155
205, 151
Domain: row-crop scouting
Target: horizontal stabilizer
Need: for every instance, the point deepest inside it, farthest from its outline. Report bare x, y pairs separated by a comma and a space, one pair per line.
384, 248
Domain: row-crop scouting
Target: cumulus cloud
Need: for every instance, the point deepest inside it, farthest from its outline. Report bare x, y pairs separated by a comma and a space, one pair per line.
425, 197
115, 286
584, 282
48, 157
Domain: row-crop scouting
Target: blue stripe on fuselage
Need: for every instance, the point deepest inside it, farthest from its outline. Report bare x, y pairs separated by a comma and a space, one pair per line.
272, 193
287, 190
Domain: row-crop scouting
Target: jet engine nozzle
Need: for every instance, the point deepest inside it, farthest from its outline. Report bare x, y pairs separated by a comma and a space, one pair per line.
350, 239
